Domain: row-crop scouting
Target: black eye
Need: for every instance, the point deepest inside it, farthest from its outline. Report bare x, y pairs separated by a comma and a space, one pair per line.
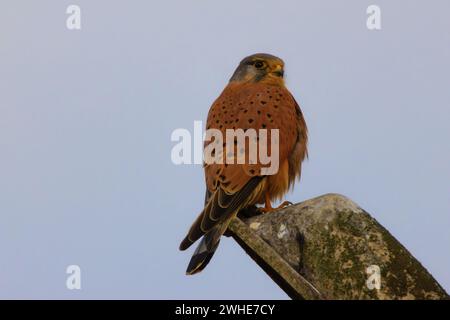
258, 64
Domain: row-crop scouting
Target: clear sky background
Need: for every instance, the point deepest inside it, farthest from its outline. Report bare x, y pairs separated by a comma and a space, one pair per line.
86, 116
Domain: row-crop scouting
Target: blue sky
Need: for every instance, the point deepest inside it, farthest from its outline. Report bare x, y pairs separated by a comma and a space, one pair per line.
86, 118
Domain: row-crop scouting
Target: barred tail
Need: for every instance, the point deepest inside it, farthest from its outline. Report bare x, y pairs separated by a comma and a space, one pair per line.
204, 252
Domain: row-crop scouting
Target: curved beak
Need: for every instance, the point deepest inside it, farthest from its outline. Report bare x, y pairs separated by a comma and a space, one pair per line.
279, 72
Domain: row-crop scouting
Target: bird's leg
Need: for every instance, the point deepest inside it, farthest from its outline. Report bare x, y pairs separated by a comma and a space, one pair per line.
268, 205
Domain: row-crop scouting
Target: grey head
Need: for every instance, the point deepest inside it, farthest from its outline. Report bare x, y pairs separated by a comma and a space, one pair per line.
259, 67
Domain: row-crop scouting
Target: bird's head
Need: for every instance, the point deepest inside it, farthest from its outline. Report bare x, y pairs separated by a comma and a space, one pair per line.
260, 67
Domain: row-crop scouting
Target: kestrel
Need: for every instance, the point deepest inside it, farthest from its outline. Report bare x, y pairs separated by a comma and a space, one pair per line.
255, 98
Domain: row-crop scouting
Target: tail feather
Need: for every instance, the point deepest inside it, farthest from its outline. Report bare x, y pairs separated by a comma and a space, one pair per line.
213, 221
195, 232
220, 207
202, 254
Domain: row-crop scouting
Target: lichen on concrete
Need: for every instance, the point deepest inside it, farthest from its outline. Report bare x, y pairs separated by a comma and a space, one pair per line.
331, 242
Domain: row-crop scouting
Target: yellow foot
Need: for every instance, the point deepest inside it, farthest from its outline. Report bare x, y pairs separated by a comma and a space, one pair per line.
284, 205
270, 209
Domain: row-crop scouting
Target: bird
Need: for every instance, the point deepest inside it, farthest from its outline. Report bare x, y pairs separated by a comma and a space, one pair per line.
256, 97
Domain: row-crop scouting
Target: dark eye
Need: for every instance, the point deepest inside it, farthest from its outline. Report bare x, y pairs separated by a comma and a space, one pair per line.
258, 64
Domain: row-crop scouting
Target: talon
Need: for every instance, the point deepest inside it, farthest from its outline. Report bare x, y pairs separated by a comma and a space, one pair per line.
285, 204
268, 206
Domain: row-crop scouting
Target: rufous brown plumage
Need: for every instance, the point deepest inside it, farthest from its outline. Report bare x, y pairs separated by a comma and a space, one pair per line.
255, 98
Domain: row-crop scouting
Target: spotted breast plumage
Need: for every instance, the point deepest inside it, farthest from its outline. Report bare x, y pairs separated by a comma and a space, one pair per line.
255, 98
